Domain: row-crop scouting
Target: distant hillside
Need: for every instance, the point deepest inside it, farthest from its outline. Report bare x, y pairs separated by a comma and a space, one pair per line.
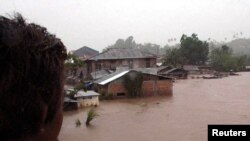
240, 46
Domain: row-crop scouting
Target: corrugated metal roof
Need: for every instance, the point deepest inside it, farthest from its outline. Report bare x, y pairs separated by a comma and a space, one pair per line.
147, 70
170, 71
67, 99
99, 74
174, 69
111, 77
86, 94
122, 53
190, 68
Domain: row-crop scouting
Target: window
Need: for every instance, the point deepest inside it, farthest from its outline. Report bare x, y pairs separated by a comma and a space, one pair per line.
147, 63
130, 64
112, 65
120, 94
98, 66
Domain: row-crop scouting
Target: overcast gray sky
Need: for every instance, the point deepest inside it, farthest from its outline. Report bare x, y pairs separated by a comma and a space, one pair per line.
99, 23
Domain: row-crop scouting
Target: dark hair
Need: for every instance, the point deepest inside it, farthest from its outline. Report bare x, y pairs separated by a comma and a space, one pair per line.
31, 76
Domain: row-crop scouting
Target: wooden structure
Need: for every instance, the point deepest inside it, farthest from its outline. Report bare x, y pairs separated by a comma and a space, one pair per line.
177, 73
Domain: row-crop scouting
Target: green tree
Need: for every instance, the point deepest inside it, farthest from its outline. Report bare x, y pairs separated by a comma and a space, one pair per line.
78, 87
133, 83
151, 48
173, 58
194, 50
121, 43
222, 59
130, 43
72, 63
241, 62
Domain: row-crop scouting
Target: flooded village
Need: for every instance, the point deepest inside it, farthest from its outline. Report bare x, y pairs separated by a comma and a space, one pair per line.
195, 103
173, 103
116, 70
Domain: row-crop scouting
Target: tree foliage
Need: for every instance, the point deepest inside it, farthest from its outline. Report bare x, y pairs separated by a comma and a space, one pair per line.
194, 50
80, 86
90, 116
72, 63
222, 59
133, 83
121, 43
130, 43
174, 58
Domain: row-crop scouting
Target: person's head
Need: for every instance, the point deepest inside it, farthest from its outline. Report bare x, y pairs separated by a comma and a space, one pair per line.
31, 81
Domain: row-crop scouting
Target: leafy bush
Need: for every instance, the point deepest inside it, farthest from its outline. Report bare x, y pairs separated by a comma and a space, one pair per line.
78, 123
91, 115
133, 84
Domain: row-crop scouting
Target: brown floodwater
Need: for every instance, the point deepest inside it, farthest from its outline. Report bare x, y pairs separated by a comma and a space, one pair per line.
184, 116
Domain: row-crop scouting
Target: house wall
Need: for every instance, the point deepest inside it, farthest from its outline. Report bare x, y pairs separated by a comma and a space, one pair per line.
149, 88
93, 101
159, 87
115, 88
165, 87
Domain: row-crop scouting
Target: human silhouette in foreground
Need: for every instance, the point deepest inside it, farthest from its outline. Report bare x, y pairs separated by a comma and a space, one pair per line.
31, 81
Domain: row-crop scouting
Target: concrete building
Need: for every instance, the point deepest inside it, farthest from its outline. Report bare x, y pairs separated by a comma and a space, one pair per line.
120, 57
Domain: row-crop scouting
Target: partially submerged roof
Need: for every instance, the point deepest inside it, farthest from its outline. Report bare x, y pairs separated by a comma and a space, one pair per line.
106, 79
100, 74
174, 69
122, 53
147, 70
67, 99
190, 68
163, 68
86, 94
113, 76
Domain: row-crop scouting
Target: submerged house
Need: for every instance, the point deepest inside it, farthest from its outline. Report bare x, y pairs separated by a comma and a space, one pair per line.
247, 68
177, 73
88, 98
120, 57
70, 104
192, 69
152, 84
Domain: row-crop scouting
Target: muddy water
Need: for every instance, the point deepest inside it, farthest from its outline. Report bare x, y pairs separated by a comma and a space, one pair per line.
184, 116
